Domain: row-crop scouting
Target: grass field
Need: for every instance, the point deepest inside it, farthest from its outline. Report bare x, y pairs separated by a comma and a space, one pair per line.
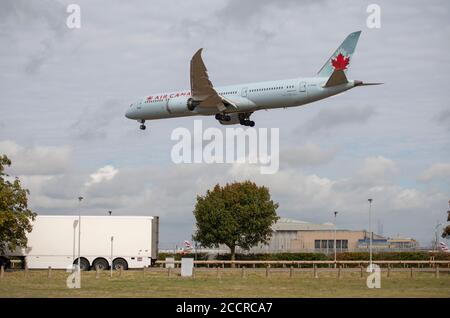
157, 283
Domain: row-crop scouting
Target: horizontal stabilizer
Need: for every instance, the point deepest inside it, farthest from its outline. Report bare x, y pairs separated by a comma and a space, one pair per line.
361, 83
337, 78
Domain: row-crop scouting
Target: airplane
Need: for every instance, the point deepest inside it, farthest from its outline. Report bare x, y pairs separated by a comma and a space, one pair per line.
444, 247
234, 104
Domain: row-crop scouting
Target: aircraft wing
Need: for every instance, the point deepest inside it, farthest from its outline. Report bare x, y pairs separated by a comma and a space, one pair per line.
202, 89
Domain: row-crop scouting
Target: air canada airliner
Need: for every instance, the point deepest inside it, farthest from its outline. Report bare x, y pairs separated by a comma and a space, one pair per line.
234, 104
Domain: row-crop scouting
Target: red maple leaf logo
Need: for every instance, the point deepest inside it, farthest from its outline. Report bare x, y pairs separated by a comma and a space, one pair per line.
340, 62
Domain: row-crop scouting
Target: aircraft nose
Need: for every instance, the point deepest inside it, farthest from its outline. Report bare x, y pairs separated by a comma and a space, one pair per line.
128, 113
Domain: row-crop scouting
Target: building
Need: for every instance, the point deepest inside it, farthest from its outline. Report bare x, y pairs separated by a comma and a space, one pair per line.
402, 243
293, 236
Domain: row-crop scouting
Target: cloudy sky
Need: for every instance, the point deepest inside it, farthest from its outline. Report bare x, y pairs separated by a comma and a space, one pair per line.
63, 94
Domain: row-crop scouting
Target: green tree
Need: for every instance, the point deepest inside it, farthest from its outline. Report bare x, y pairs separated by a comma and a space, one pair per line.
446, 232
238, 214
15, 216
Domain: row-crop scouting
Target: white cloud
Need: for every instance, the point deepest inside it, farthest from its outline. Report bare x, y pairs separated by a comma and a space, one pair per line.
437, 171
308, 154
36, 160
105, 173
378, 169
329, 118
171, 194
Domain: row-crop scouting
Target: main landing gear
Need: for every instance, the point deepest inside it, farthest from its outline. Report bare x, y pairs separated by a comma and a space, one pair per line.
223, 117
244, 119
142, 126
247, 122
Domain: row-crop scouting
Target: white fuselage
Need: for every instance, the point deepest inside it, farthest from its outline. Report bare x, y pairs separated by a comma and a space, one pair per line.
248, 98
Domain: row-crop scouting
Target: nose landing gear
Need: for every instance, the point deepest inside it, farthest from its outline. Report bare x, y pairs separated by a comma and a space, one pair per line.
142, 126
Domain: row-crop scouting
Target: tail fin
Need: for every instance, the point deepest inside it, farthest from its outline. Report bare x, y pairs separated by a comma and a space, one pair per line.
444, 247
340, 59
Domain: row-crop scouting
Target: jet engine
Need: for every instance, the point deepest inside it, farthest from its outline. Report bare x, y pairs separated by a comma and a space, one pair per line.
181, 105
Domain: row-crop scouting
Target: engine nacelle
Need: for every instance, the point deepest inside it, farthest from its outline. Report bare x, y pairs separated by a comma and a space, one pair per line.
233, 121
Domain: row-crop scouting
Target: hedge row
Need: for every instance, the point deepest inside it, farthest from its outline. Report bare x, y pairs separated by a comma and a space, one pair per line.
348, 256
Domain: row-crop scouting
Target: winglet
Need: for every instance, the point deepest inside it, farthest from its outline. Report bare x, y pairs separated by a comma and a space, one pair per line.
361, 83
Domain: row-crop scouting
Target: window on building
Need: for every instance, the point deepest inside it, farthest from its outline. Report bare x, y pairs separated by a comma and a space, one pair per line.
344, 244
317, 244
330, 243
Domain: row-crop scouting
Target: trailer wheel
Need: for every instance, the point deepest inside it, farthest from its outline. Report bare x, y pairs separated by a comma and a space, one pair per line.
100, 263
120, 263
5, 262
84, 264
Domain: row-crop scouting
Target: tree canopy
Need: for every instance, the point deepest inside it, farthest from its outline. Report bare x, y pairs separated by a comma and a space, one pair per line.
237, 214
15, 216
446, 231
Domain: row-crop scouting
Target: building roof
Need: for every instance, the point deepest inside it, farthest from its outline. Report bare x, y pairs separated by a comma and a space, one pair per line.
400, 239
286, 224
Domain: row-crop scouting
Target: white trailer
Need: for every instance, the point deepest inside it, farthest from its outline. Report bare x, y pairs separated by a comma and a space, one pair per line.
123, 241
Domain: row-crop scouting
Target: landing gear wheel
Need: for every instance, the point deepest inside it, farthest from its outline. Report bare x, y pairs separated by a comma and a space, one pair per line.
247, 122
142, 126
223, 117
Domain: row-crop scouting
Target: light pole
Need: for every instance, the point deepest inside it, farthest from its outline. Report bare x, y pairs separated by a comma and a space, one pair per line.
79, 237
75, 224
335, 248
370, 232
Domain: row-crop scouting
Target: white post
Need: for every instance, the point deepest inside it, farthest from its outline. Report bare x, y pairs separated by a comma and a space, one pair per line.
335, 248
370, 232
79, 237
111, 267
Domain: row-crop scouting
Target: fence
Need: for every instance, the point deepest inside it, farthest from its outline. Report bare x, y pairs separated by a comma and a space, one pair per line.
286, 268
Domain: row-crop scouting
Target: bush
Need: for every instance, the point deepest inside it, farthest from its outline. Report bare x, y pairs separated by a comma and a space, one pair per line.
276, 257
347, 256
392, 256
